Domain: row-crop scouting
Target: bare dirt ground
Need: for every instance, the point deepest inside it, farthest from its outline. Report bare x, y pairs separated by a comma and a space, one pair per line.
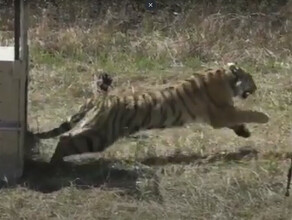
194, 172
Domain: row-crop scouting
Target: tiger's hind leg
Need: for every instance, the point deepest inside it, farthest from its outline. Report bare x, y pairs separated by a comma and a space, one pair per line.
78, 142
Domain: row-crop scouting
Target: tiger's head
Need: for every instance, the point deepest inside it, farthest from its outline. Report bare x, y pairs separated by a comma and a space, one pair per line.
242, 84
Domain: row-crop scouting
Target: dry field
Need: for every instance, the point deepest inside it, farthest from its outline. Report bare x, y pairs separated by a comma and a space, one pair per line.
194, 172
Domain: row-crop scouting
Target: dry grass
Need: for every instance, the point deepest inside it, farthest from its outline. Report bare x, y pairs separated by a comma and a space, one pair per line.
206, 179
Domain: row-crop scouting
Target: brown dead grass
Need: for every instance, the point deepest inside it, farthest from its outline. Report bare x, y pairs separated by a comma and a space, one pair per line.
193, 172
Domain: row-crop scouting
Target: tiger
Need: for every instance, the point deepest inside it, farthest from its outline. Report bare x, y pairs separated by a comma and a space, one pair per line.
206, 96
100, 88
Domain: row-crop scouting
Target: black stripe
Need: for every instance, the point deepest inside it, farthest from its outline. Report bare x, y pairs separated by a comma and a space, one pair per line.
135, 110
164, 98
194, 86
121, 114
77, 117
188, 93
109, 120
148, 114
74, 147
172, 102
102, 143
163, 111
185, 105
116, 112
154, 98
162, 115
65, 126
89, 143
121, 120
55, 132
177, 120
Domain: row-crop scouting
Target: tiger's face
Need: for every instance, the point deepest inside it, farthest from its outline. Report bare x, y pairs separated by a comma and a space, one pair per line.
243, 83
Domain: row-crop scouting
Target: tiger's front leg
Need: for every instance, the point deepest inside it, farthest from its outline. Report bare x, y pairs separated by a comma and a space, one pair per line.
235, 119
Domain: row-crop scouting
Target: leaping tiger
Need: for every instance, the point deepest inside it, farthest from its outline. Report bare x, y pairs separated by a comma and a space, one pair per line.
206, 96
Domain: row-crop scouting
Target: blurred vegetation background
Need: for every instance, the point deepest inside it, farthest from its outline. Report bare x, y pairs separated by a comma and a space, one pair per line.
203, 174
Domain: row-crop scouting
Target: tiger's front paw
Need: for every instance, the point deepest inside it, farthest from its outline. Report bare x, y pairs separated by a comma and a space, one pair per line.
262, 118
242, 131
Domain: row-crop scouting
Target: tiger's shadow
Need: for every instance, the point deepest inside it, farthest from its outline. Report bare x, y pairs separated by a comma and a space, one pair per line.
44, 177
113, 173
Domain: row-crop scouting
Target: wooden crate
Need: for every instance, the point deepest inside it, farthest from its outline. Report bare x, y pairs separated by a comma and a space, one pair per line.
13, 96
12, 114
